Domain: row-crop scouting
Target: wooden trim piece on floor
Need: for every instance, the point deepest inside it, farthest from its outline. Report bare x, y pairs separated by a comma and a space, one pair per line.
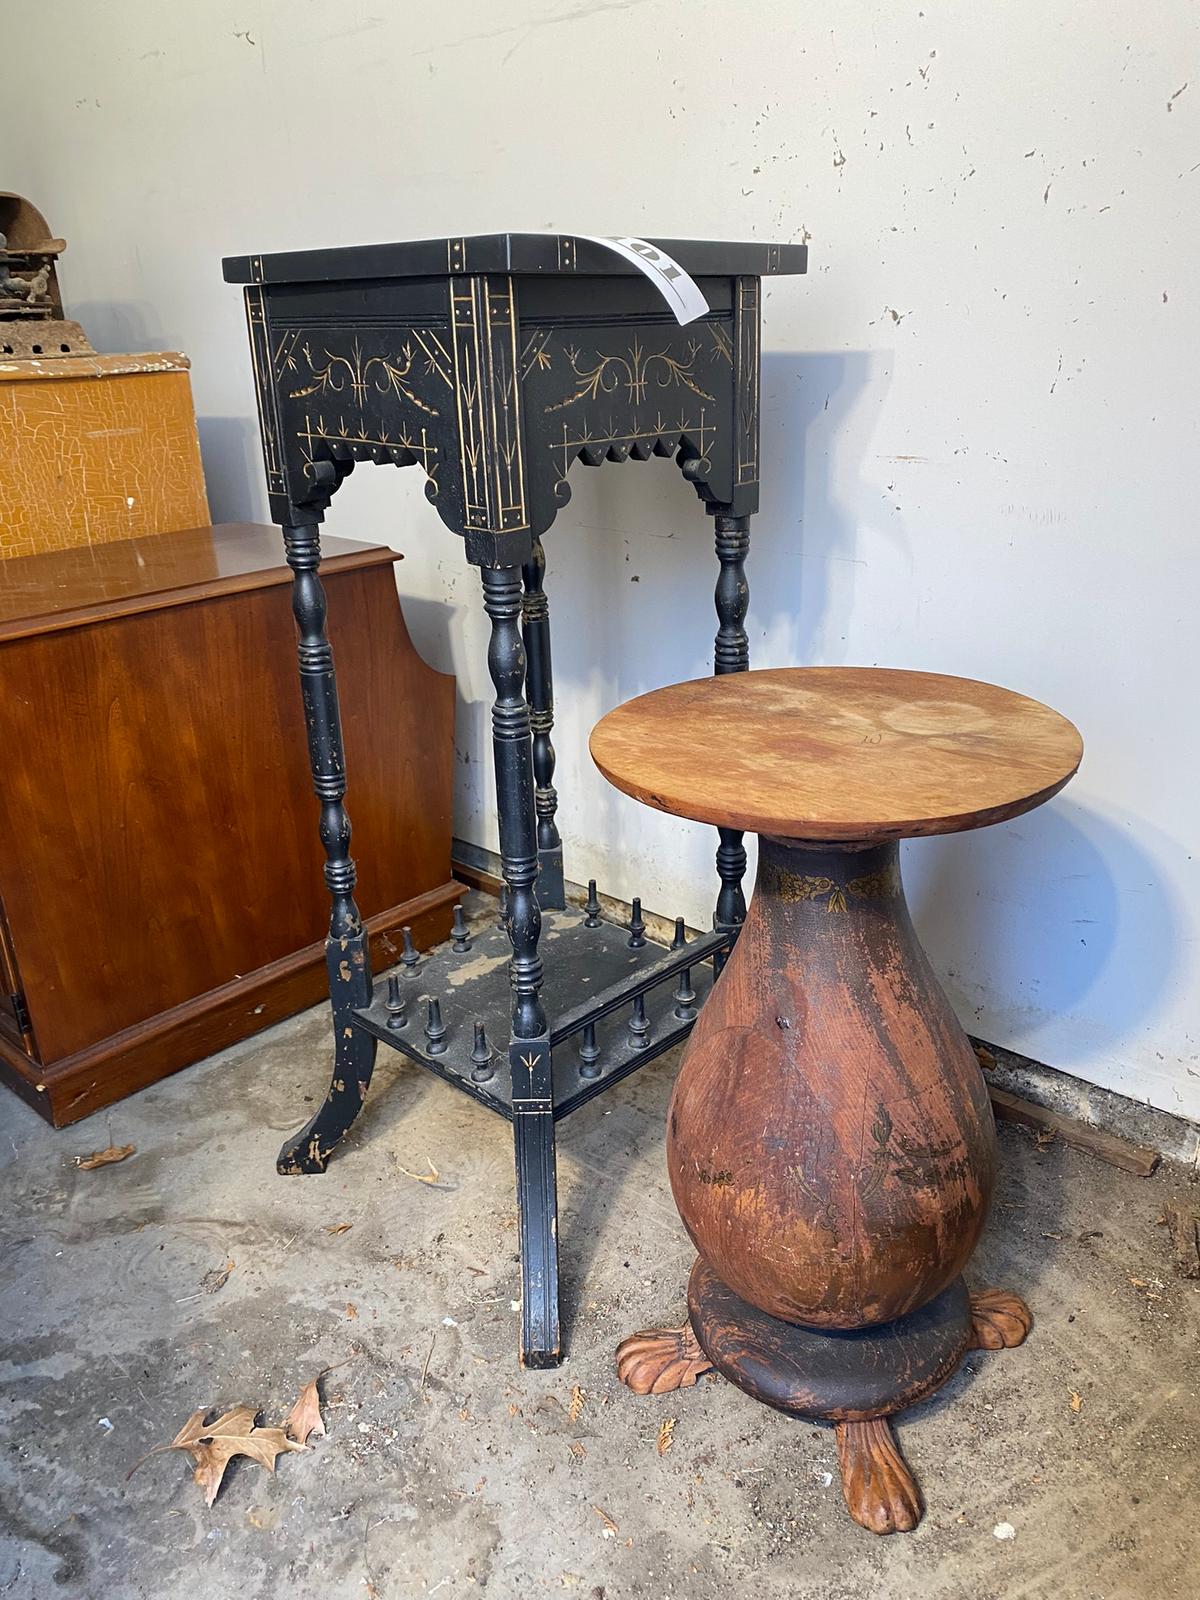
118, 1066
1136, 1158
476, 877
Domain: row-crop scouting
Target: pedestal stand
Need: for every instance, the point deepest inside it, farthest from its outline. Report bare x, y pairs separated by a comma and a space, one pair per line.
830, 1142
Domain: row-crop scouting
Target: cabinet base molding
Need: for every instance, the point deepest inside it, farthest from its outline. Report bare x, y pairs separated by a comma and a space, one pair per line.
79, 1084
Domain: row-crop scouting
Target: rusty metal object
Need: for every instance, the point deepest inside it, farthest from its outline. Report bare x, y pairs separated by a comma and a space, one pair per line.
32, 324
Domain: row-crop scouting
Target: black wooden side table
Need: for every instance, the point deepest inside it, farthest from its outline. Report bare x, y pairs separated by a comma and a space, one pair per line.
494, 363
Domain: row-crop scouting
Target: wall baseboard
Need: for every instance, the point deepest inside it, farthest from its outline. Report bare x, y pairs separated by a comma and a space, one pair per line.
1175, 1138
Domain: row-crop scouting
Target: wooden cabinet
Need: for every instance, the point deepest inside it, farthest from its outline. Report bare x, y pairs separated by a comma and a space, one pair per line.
96, 448
161, 889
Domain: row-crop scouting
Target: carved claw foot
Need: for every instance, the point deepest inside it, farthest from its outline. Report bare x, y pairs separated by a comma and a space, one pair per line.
880, 1492
658, 1360
999, 1320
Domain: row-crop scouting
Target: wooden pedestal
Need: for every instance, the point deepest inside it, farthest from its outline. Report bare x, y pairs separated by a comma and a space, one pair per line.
830, 1142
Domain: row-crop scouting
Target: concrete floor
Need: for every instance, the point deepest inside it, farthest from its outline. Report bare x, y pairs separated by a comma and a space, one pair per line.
447, 1470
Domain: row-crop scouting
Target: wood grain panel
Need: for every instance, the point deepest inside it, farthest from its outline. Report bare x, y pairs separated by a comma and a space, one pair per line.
120, 1065
64, 588
838, 752
829, 1143
158, 823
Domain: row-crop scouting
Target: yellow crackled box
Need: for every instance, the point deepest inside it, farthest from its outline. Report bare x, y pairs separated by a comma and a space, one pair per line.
94, 448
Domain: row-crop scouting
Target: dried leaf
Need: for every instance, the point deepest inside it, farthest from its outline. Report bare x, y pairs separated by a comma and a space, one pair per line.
1076, 1401
304, 1419
1046, 1137
340, 1227
213, 1446
666, 1435
432, 1176
217, 1278
577, 1399
351, 1310
1139, 1283
105, 1158
610, 1527
578, 1450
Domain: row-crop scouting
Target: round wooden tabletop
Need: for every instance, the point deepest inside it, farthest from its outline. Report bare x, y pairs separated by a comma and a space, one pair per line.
838, 753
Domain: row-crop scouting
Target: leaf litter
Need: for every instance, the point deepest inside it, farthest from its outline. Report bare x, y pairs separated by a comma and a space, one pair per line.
213, 1444
107, 1157
609, 1528
304, 1420
216, 1278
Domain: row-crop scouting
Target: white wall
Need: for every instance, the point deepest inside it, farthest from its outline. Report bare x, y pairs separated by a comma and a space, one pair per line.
980, 407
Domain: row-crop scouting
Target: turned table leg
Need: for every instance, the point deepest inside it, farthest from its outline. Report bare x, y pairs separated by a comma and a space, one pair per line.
529, 1047
347, 953
539, 681
731, 653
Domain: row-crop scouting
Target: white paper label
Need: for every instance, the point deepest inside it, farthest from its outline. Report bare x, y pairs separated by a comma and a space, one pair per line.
668, 277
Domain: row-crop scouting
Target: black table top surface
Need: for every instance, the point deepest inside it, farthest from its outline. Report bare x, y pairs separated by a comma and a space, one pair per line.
542, 254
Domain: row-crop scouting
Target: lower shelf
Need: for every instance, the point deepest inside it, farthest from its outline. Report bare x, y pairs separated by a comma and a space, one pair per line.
592, 977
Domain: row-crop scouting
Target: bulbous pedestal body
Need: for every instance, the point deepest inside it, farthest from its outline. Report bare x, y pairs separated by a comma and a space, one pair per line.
830, 1141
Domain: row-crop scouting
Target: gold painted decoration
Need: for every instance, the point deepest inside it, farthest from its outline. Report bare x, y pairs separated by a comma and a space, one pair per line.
463, 391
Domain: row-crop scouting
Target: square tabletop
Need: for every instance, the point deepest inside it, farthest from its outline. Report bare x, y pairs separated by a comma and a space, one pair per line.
531, 254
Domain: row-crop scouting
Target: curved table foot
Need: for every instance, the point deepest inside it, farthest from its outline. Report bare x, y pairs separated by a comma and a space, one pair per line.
1000, 1320
880, 1492
353, 1062
658, 1360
